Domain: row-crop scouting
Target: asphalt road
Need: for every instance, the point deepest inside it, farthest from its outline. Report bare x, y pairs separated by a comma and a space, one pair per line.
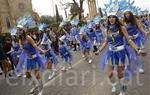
83, 79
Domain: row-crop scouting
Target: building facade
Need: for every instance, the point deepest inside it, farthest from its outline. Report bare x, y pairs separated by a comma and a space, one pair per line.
11, 10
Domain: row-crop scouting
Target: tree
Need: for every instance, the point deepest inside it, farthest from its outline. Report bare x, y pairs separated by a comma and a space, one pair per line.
100, 11
47, 19
50, 20
57, 14
75, 8
81, 9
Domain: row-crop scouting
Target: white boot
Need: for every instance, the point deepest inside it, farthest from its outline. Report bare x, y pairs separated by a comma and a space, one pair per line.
123, 86
122, 93
70, 66
141, 71
123, 90
113, 89
33, 90
90, 61
52, 76
63, 69
41, 92
83, 56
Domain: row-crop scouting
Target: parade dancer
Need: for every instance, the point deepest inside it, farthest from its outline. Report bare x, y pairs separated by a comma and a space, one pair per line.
16, 50
92, 36
74, 32
134, 29
115, 55
99, 34
145, 23
65, 54
85, 46
30, 55
51, 58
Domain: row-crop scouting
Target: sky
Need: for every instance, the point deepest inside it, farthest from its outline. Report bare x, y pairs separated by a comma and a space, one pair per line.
47, 7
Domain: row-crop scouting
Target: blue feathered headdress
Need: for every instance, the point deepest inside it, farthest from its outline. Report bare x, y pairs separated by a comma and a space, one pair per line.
97, 20
42, 26
74, 22
91, 23
13, 31
111, 8
26, 22
83, 29
62, 24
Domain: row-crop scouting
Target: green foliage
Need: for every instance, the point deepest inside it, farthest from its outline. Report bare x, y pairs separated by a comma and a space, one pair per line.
50, 20
54, 24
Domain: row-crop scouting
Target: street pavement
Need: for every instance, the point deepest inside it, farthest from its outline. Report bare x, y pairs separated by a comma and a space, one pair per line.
83, 79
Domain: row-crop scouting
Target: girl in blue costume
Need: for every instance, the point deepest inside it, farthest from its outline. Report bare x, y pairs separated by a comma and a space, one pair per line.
51, 58
134, 30
85, 45
145, 21
146, 25
115, 56
16, 50
68, 39
92, 36
65, 54
99, 34
31, 58
74, 32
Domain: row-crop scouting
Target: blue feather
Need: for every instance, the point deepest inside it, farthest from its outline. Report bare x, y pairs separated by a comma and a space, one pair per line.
42, 26
132, 2
74, 22
13, 31
62, 24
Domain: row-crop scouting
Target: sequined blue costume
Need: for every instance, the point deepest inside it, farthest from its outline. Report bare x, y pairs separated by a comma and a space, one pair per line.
31, 58
16, 52
50, 55
115, 54
85, 45
91, 35
99, 35
74, 32
65, 53
134, 34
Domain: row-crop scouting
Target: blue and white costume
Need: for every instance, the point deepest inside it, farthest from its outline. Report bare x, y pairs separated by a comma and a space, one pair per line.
135, 35
115, 54
15, 54
33, 59
74, 32
65, 53
85, 44
99, 35
91, 35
